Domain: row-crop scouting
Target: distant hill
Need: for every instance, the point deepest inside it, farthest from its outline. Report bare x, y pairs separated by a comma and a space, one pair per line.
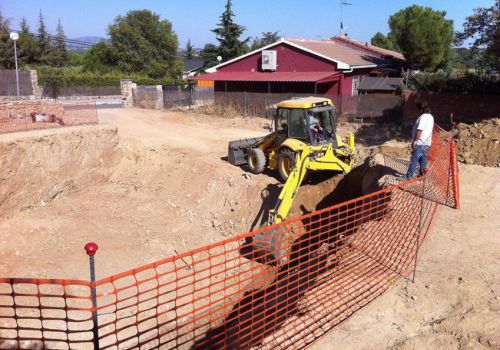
84, 39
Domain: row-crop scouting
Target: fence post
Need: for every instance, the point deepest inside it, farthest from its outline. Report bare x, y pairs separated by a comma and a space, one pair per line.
454, 173
420, 226
91, 249
245, 103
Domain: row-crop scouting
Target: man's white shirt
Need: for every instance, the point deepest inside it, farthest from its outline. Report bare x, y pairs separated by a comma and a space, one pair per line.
425, 123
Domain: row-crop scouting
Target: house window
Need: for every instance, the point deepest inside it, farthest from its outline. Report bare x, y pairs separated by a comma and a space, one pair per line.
355, 84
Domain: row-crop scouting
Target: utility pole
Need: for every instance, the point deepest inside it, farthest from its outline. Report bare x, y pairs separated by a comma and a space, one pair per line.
342, 3
14, 36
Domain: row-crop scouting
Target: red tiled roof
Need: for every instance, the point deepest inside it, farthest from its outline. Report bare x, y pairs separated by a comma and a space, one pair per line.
367, 46
270, 76
336, 51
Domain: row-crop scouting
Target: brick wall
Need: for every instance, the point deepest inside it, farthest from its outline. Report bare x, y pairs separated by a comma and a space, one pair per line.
465, 107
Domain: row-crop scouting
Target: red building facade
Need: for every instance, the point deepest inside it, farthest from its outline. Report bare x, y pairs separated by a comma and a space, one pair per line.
332, 67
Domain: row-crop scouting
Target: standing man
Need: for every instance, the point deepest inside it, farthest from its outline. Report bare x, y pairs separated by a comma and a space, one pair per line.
422, 140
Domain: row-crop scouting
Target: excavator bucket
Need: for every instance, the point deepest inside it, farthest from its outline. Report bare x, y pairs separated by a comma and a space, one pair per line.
273, 244
238, 150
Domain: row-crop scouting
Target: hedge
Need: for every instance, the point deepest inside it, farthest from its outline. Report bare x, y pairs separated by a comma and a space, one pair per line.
67, 77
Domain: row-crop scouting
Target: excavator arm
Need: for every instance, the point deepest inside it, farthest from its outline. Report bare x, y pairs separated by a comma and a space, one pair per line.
305, 159
291, 187
276, 242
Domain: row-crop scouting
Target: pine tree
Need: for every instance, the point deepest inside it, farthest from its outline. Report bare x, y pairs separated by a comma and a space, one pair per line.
189, 50
59, 54
228, 34
424, 37
6, 44
43, 39
266, 39
29, 51
25, 29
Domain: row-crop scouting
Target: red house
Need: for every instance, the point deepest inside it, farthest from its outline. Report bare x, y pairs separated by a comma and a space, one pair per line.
332, 67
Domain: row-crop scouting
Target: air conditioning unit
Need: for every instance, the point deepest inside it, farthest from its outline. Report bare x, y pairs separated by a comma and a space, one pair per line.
269, 61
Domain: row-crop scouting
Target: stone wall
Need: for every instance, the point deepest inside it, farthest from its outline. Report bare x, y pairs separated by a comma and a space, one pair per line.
28, 85
150, 97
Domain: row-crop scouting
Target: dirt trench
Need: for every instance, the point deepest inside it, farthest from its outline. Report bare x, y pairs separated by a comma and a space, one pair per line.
139, 202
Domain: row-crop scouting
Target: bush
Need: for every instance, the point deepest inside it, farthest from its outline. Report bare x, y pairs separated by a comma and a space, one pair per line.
77, 77
442, 82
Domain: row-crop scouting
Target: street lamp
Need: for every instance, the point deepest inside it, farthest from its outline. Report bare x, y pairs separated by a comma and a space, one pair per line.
14, 36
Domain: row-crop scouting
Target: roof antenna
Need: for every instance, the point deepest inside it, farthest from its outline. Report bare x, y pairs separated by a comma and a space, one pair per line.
342, 3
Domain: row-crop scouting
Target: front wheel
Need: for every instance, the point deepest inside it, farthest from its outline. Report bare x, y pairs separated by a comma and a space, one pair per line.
256, 160
286, 163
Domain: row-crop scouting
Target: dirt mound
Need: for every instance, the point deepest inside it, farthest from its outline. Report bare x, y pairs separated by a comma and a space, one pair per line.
479, 143
37, 170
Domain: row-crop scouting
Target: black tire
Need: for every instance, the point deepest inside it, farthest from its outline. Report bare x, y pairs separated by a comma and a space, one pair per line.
256, 160
286, 162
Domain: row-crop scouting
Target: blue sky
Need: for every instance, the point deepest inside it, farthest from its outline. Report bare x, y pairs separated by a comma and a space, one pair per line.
193, 19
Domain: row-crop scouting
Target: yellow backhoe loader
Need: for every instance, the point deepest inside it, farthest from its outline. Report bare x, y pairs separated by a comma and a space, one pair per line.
304, 139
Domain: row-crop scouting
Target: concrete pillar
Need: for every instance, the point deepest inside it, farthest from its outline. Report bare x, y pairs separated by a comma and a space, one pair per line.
37, 90
127, 88
159, 97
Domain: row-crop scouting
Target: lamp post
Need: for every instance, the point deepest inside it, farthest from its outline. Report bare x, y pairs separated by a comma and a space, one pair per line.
14, 36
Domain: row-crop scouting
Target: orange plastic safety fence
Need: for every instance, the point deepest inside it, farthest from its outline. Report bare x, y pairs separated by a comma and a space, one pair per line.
24, 116
234, 294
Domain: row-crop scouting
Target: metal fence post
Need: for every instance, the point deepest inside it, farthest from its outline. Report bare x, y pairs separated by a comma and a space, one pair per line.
454, 174
245, 103
420, 225
91, 249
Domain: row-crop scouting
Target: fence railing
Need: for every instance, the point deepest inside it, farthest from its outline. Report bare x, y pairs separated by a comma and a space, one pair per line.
8, 83
54, 90
177, 96
33, 115
230, 295
388, 107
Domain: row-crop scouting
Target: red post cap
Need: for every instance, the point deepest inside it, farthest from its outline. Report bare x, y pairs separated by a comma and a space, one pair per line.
91, 248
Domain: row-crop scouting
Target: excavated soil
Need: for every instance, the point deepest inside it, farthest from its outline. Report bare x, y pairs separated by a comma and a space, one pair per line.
143, 185
146, 185
479, 143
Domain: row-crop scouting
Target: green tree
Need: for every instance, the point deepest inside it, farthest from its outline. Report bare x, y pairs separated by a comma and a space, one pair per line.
228, 35
25, 29
43, 39
141, 42
266, 39
6, 45
424, 36
209, 53
58, 55
189, 51
28, 47
385, 42
75, 59
101, 57
482, 27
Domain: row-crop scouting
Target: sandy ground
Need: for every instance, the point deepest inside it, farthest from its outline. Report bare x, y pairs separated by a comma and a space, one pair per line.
166, 189
455, 300
160, 186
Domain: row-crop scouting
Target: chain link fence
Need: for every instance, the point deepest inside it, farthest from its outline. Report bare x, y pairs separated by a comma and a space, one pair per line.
44, 114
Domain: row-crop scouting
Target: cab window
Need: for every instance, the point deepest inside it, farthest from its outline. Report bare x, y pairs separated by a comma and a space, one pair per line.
282, 124
325, 118
296, 124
